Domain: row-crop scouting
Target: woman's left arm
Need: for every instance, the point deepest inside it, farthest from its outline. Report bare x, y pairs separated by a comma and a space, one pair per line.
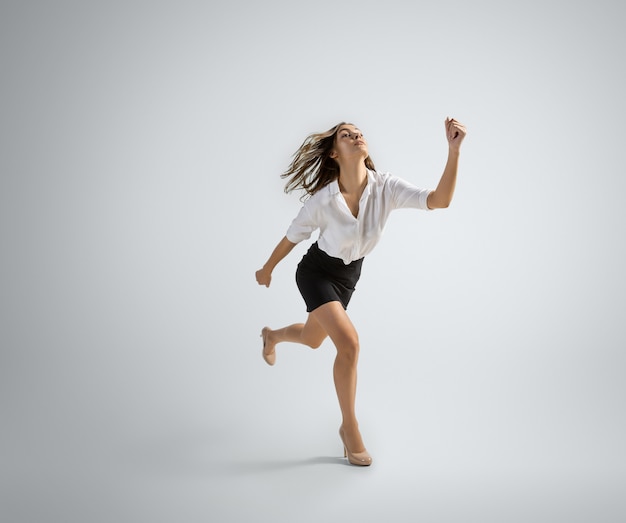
441, 197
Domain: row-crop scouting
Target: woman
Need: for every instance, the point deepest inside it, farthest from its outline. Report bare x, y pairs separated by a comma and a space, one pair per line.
349, 202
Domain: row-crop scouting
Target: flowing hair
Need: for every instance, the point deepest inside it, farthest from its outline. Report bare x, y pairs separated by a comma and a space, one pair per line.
312, 168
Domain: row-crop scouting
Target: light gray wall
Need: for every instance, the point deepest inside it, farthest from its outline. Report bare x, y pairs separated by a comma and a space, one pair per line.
141, 144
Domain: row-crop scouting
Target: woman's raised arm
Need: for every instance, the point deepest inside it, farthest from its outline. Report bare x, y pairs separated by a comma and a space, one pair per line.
442, 195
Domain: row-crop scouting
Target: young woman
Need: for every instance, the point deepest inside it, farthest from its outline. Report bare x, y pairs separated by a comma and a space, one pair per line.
349, 202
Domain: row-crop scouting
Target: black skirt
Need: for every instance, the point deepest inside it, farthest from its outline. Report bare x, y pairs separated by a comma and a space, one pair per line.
322, 278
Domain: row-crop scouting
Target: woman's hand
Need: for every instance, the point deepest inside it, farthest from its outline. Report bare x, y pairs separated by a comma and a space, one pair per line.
264, 277
455, 132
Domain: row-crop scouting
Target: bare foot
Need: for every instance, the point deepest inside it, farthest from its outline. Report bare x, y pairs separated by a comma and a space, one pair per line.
269, 352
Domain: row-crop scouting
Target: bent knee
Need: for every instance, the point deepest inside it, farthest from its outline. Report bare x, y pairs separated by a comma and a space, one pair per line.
316, 343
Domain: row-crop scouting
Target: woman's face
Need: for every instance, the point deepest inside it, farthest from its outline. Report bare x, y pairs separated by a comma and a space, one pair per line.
349, 144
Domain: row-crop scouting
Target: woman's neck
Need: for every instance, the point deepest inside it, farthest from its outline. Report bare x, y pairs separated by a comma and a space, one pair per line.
352, 178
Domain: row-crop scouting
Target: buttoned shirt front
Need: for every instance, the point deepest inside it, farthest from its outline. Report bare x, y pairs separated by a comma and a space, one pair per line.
341, 234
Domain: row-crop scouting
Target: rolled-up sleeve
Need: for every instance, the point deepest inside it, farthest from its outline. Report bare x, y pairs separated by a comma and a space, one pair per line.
301, 227
407, 195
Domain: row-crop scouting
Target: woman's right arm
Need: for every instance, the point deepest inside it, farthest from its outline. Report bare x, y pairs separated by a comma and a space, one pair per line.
264, 275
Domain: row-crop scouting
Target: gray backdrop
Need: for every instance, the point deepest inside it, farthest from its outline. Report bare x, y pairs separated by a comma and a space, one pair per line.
141, 147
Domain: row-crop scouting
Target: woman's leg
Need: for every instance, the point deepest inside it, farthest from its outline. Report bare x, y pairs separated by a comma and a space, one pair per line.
335, 321
310, 333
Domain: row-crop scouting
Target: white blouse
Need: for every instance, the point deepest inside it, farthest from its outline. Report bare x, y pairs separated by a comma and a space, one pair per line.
341, 234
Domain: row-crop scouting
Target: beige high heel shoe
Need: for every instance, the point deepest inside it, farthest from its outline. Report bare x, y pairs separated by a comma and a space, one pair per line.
362, 459
270, 359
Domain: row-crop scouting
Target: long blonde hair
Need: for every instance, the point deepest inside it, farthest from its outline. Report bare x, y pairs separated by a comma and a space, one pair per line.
312, 168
